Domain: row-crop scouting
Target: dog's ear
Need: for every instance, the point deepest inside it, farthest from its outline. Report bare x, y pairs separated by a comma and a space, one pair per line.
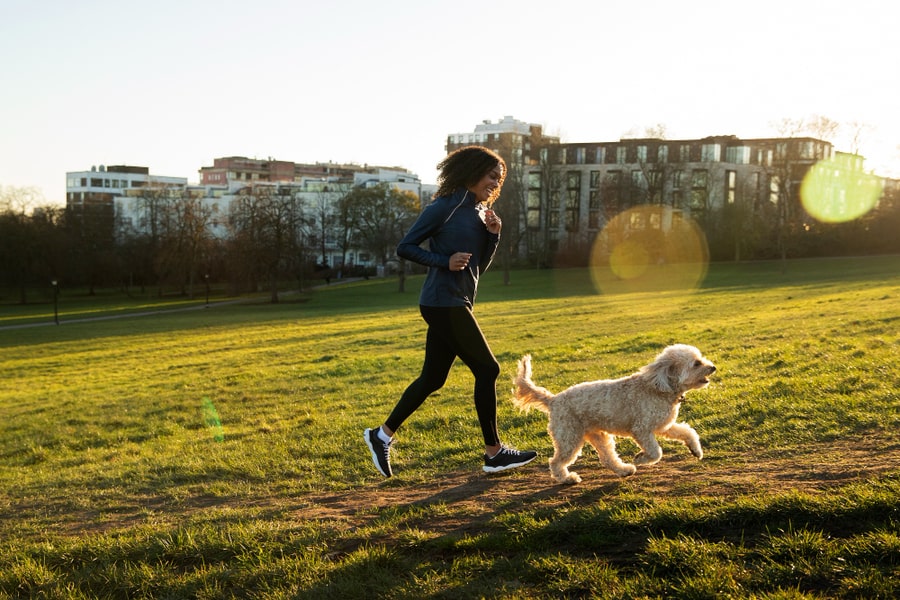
662, 373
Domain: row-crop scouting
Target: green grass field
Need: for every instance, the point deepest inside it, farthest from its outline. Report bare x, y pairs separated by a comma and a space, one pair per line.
218, 453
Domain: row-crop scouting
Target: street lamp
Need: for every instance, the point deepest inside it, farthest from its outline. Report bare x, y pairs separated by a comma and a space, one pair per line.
206, 277
55, 301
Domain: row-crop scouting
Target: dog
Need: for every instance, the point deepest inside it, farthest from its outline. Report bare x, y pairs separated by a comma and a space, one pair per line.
640, 406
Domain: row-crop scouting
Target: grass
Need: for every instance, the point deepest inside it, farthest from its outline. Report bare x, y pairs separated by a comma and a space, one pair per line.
218, 453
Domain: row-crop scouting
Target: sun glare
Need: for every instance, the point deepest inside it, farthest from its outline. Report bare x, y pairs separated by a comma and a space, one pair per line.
649, 248
837, 190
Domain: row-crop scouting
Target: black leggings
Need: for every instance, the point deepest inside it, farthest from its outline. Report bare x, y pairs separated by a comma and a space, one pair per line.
453, 331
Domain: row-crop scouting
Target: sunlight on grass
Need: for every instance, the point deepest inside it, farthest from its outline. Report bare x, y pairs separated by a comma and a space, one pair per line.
173, 455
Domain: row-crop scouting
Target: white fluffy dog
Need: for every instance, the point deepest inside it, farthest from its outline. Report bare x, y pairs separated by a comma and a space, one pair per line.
640, 406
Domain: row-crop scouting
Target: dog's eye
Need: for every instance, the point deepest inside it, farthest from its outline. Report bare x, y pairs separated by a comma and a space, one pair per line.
696, 363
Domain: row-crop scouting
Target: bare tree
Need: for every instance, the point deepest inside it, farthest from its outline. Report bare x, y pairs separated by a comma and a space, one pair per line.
264, 242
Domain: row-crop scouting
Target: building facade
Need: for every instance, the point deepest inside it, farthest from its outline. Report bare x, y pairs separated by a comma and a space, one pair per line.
575, 188
561, 195
123, 200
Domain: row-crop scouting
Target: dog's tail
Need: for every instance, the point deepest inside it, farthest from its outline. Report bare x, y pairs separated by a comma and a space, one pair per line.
527, 395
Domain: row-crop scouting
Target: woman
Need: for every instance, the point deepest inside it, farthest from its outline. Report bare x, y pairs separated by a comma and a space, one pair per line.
463, 233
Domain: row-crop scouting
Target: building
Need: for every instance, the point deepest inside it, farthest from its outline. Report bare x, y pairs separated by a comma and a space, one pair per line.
103, 185
563, 194
576, 187
237, 170
120, 199
516, 141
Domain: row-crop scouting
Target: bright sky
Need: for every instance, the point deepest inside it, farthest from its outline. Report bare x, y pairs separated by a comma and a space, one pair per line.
173, 84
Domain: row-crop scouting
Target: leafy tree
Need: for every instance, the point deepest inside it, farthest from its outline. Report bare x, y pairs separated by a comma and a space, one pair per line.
382, 215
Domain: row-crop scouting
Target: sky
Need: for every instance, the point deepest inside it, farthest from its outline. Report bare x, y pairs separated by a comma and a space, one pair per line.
172, 85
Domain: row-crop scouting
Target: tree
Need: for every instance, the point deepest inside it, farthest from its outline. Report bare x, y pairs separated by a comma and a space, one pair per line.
382, 215
18, 239
264, 226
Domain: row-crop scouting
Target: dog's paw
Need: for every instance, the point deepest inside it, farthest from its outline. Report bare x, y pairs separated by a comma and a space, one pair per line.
626, 470
697, 451
569, 478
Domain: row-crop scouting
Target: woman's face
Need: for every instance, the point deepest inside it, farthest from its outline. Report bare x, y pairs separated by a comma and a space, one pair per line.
488, 185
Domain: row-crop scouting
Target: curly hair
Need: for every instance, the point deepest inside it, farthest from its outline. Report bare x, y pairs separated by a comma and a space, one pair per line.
465, 167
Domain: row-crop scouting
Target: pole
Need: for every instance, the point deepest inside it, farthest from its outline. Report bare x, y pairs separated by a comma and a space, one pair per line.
55, 301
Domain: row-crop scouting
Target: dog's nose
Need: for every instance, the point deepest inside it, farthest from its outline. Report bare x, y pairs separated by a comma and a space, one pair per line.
713, 367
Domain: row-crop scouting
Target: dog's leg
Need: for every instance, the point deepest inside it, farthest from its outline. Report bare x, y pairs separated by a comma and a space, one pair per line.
651, 451
567, 446
605, 445
685, 433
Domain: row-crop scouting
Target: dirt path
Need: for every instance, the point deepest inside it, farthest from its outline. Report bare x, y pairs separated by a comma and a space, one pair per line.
822, 467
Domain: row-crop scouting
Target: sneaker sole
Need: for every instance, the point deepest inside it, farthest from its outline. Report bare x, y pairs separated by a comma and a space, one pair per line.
488, 469
374, 453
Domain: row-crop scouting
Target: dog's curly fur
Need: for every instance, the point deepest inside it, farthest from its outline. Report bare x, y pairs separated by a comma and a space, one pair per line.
640, 406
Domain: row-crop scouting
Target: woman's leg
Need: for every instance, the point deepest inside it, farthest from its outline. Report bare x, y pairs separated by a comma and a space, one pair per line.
439, 357
460, 330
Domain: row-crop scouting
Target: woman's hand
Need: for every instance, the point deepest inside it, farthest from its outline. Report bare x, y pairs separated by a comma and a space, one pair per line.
460, 261
492, 222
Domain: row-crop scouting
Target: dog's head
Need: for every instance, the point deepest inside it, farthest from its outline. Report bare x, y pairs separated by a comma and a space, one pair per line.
679, 368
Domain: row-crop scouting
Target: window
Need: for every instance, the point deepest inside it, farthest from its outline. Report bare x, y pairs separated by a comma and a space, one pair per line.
699, 192
573, 210
637, 178
781, 151
621, 154
600, 155
677, 179
553, 210
662, 154
684, 153
573, 199
533, 201
730, 186
595, 179
738, 155
579, 156
595, 210
710, 153
655, 185
612, 185
642, 154
699, 178
533, 205
774, 185
807, 150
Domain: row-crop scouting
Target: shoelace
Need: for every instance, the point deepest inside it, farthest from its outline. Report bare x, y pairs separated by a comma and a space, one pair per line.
504, 449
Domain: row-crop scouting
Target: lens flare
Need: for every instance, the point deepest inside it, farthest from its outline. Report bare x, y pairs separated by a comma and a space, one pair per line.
649, 248
837, 190
211, 418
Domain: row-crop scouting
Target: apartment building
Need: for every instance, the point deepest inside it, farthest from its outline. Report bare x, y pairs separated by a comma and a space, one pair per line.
516, 141
115, 199
567, 192
103, 184
237, 170
577, 187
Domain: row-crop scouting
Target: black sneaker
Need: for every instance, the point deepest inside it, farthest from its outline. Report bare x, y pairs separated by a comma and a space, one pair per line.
381, 451
507, 458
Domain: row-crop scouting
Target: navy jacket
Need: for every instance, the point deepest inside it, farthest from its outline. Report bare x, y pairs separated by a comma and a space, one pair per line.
451, 224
